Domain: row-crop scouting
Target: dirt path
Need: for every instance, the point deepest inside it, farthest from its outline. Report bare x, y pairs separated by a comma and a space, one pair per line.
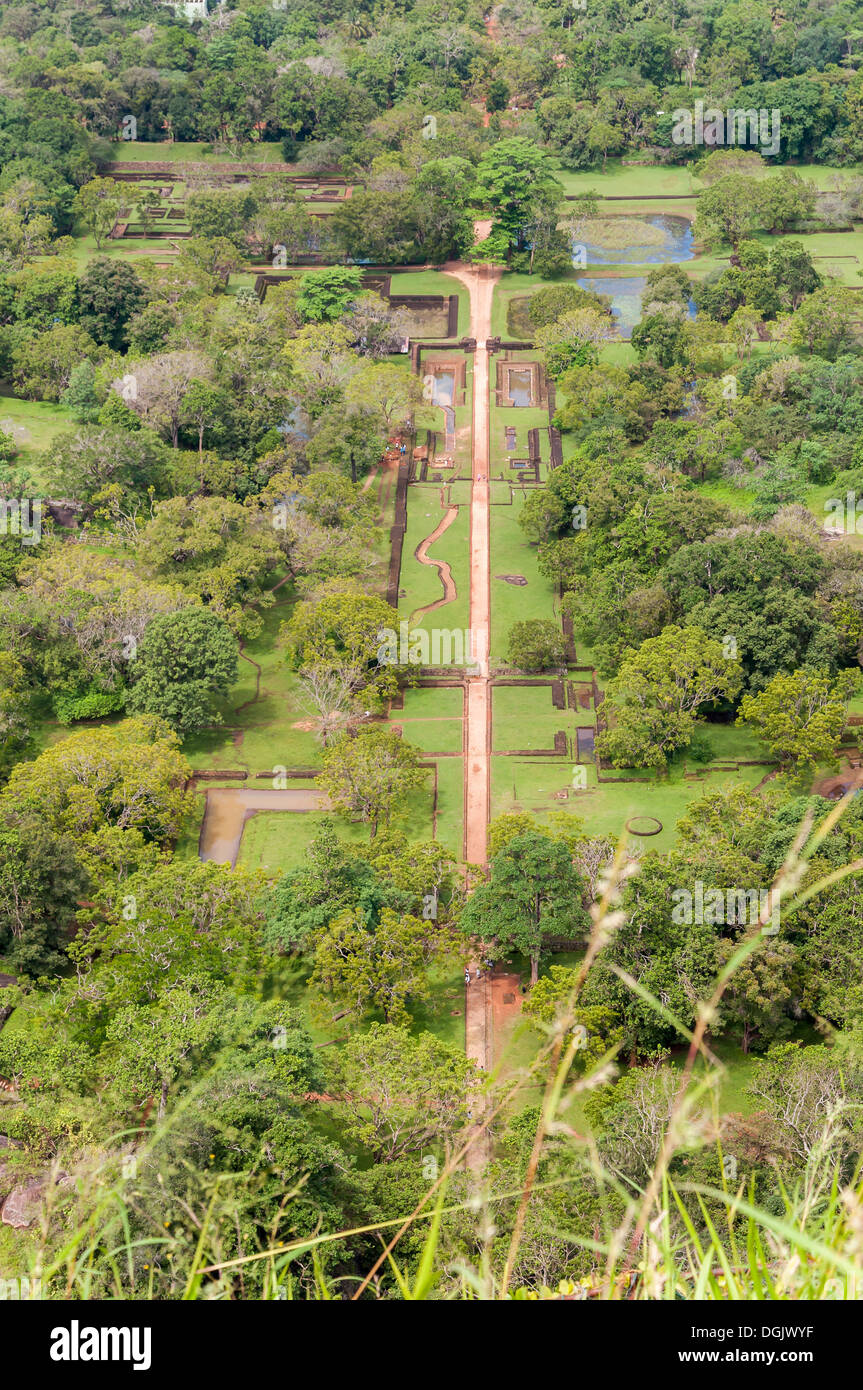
480, 283
228, 809
442, 566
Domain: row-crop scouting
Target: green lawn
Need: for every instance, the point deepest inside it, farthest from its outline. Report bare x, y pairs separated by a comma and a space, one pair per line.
512, 553
421, 584
180, 151
33, 424
521, 784
434, 282
524, 717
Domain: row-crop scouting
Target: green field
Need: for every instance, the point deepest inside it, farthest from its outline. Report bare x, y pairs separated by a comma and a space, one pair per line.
519, 784
512, 553
34, 425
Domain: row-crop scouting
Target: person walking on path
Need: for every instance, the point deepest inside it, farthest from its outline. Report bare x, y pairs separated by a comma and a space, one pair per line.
467, 975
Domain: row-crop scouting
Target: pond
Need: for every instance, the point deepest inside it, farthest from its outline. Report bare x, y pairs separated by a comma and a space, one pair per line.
675, 245
519, 387
626, 293
443, 388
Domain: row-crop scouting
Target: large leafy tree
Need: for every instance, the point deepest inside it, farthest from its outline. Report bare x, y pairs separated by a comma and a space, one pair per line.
332, 880
367, 967
326, 294
399, 1093
534, 891
129, 776
41, 882
98, 205
658, 692
515, 181
109, 293
185, 663
801, 715
370, 776
218, 549
342, 627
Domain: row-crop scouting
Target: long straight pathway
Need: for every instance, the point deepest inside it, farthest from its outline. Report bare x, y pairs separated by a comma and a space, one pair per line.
480, 283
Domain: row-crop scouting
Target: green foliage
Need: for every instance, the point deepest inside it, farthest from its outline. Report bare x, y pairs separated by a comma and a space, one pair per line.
534, 891
325, 294
185, 663
535, 645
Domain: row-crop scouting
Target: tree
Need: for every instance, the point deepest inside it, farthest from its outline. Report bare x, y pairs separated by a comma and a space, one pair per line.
596, 1030
344, 629
371, 775
535, 645
514, 180
801, 716
546, 306
43, 363
150, 1045
109, 293
400, 1093
759, 993
571, 340
728, 209
41, 882
534, 891
218, 550
661, 337
325, 294
800, 1088
98, 205
364, 967
392, 392
157, 387
332, 880
185, 663
657, 693
327, 692
161, 924
792, 269
824, 322
221, 212
80, 397
130, 775
204, 407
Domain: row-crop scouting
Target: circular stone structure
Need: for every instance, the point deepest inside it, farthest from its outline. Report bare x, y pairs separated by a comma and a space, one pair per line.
644, 825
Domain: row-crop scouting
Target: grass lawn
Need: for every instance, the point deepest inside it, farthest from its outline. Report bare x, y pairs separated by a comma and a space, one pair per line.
179, 151
278, 840
512, 553
421, 584
627, 181
33, 424
434, 282
524, 717
520, 784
